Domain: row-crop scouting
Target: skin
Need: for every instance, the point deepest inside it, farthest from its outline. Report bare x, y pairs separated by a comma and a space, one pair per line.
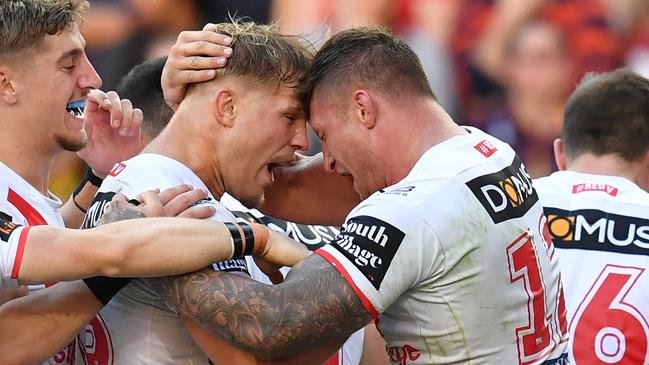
296, 315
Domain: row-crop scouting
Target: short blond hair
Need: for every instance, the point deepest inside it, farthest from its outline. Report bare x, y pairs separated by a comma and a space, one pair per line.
24, 23
261, 53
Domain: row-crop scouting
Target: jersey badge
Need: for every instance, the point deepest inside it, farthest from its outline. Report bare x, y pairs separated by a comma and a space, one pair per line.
505, 194
370, 244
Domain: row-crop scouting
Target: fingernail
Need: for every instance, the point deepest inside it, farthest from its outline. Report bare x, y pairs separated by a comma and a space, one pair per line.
114, 123
123, 132
220, 61
227, 40
211, 73
227, 51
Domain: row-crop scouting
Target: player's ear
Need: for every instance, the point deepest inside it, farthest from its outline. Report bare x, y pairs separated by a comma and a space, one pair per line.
8, 92
364, 108
559, 154
224, 107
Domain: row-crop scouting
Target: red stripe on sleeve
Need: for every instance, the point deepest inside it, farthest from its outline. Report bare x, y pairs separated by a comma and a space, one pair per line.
34, 218
19, 253
366, 302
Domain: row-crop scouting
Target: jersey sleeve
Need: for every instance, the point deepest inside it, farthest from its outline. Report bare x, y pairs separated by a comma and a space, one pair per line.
383, 249
12, 245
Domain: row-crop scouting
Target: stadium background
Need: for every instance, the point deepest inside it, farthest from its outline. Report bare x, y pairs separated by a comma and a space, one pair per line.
505, 66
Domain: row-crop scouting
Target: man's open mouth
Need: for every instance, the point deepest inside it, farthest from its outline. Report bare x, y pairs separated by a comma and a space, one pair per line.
75, 108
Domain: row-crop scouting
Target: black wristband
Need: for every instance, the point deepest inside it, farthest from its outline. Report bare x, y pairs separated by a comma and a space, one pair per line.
82, 209
236, 239
250, 239
105, 288
90, 177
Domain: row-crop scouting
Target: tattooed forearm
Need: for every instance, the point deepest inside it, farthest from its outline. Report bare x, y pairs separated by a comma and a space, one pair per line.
314, 305
120, 212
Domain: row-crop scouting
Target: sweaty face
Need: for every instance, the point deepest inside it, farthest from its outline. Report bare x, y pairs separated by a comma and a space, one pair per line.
345, 144
268, 128
59, 73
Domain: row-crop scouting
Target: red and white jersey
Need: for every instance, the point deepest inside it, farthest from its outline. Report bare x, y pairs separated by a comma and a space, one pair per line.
22, 204
313, 237
138, 327
600, 227
453, 260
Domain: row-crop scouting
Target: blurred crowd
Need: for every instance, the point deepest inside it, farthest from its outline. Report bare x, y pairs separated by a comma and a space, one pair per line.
505, 66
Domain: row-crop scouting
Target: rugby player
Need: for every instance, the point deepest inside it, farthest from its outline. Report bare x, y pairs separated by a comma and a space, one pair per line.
597, 210
142, 86
45, 77
447, 250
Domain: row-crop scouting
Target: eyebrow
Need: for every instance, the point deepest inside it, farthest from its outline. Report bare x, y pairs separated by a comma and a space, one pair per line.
72, 53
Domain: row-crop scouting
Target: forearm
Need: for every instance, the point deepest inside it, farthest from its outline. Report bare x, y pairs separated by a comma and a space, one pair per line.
271, 322
72, 214
35, 326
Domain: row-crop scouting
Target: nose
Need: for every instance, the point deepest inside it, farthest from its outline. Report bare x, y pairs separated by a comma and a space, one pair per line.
300, 139
89, 78
329, 162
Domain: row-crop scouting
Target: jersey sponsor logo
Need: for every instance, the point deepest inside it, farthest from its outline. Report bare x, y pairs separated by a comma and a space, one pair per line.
117, 169
591, 229
370, 244
608, 189
505, 194
6, 227
95, 343
403, 355
312, 236
486, 148
234, 265
403, 191
97, 209
66, 355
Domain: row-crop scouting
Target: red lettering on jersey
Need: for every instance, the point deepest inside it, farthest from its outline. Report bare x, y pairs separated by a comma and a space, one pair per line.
66, 355
33, 217
96, 344
119, 167
403, 354
486, 148
608, 189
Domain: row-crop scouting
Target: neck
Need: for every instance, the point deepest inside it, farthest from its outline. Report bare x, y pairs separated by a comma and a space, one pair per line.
611, 165
172, 143
423, 125
28, 156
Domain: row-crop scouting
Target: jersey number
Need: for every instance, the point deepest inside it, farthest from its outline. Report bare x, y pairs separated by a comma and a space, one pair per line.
535, 339
607, 330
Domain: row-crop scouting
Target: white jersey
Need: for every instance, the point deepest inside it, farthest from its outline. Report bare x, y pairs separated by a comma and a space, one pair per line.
453, 261
600, 227
139, 327
313, 237
22, 204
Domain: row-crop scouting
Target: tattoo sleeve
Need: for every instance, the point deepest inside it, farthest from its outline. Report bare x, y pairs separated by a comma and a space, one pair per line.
314, 305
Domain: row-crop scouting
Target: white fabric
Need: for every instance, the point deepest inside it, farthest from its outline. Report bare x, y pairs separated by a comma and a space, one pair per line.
312, 236
600, 226
138, 323
27, 206
440, 265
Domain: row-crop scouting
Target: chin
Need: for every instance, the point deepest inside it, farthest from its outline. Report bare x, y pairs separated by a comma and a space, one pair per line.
251, 201
72, 143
